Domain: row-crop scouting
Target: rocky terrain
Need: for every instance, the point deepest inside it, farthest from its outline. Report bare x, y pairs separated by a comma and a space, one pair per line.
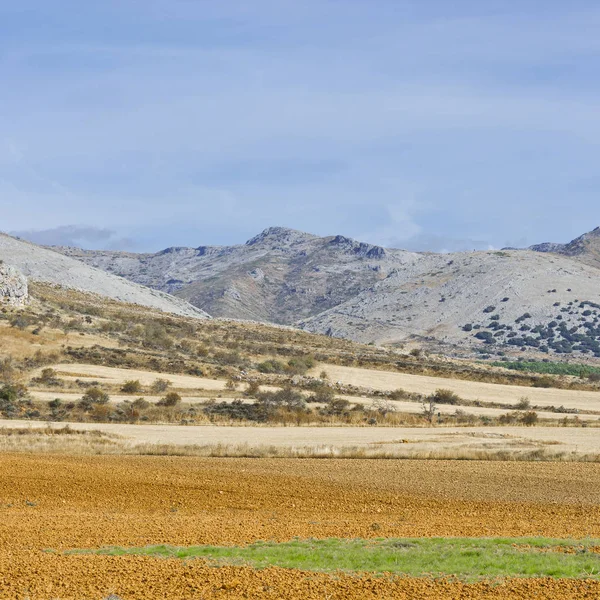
585, 248
40, 264
13, 286
543, 299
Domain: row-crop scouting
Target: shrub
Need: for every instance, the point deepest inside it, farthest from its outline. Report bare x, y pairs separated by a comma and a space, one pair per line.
140, 404
529, 418
337, 407
253, 389
271, 366
171, 399
323, 394
445, 396
160, 386
48, 375
133, 386
523, 403
96, 396
489, 309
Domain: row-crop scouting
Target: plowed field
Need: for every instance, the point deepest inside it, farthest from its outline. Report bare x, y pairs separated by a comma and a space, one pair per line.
57, 503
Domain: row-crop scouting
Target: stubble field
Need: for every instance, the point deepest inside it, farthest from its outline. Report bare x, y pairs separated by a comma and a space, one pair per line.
51, 504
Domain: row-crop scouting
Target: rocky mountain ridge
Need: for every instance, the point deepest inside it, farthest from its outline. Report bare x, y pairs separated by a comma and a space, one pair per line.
585, 248
342, 287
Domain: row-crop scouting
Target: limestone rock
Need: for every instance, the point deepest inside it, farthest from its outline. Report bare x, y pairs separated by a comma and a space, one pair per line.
13, 286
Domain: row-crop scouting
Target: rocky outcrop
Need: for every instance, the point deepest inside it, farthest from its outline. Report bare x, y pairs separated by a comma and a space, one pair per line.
13, 286
585, 248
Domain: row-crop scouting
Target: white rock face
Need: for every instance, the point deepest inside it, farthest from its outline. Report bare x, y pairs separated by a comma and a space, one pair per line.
13, 286
40, 264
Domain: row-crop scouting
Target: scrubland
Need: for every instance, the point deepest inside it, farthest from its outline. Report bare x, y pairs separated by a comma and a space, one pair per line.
124, 429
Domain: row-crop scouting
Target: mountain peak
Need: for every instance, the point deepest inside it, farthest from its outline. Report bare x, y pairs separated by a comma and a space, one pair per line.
280, 236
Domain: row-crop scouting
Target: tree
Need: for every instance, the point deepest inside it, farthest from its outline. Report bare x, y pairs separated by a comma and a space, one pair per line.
428, 408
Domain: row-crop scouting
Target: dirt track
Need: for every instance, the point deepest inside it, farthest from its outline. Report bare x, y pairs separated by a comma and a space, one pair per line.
66, 502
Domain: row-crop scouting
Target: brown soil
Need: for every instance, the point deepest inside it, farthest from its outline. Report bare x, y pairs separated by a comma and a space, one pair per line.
57, 503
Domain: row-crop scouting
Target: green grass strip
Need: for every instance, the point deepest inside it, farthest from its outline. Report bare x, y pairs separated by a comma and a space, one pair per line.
468, 559
550, 368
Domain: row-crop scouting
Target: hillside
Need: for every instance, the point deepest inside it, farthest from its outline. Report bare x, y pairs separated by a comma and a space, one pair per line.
585, 248
341, 287
41, 264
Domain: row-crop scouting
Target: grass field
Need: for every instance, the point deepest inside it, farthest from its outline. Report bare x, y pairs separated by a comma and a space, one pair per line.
468, 559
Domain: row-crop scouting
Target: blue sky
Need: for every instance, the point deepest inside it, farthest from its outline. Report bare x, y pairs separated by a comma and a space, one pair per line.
428, 124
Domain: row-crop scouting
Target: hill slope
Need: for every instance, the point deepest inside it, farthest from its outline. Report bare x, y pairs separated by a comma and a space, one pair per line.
585, 248
341, 287
41, 264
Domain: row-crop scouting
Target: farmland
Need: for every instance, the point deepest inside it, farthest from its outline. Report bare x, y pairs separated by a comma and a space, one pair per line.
53, 504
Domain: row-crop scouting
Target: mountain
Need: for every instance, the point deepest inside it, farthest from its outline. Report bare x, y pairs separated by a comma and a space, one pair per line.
279, 276
41, 264
342, 287
585, 248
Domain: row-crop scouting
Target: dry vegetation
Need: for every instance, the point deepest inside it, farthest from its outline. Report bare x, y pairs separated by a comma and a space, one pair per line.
241, 372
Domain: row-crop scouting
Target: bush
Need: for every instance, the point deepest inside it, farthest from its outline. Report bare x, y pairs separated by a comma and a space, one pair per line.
96, 396
131, 387
160, 386
48, 375
140, 404
253, 389
337, 407
444, 396
284, 398
171, 399
271, 366
323, 394
529, 418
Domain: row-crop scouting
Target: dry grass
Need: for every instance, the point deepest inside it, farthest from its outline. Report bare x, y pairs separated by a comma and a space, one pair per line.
69, 441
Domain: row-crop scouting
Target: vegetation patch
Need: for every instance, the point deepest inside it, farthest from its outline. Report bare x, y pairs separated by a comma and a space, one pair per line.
550, 368
468, 559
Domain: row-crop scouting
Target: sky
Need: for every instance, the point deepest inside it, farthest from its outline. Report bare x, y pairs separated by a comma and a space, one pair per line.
428, 124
